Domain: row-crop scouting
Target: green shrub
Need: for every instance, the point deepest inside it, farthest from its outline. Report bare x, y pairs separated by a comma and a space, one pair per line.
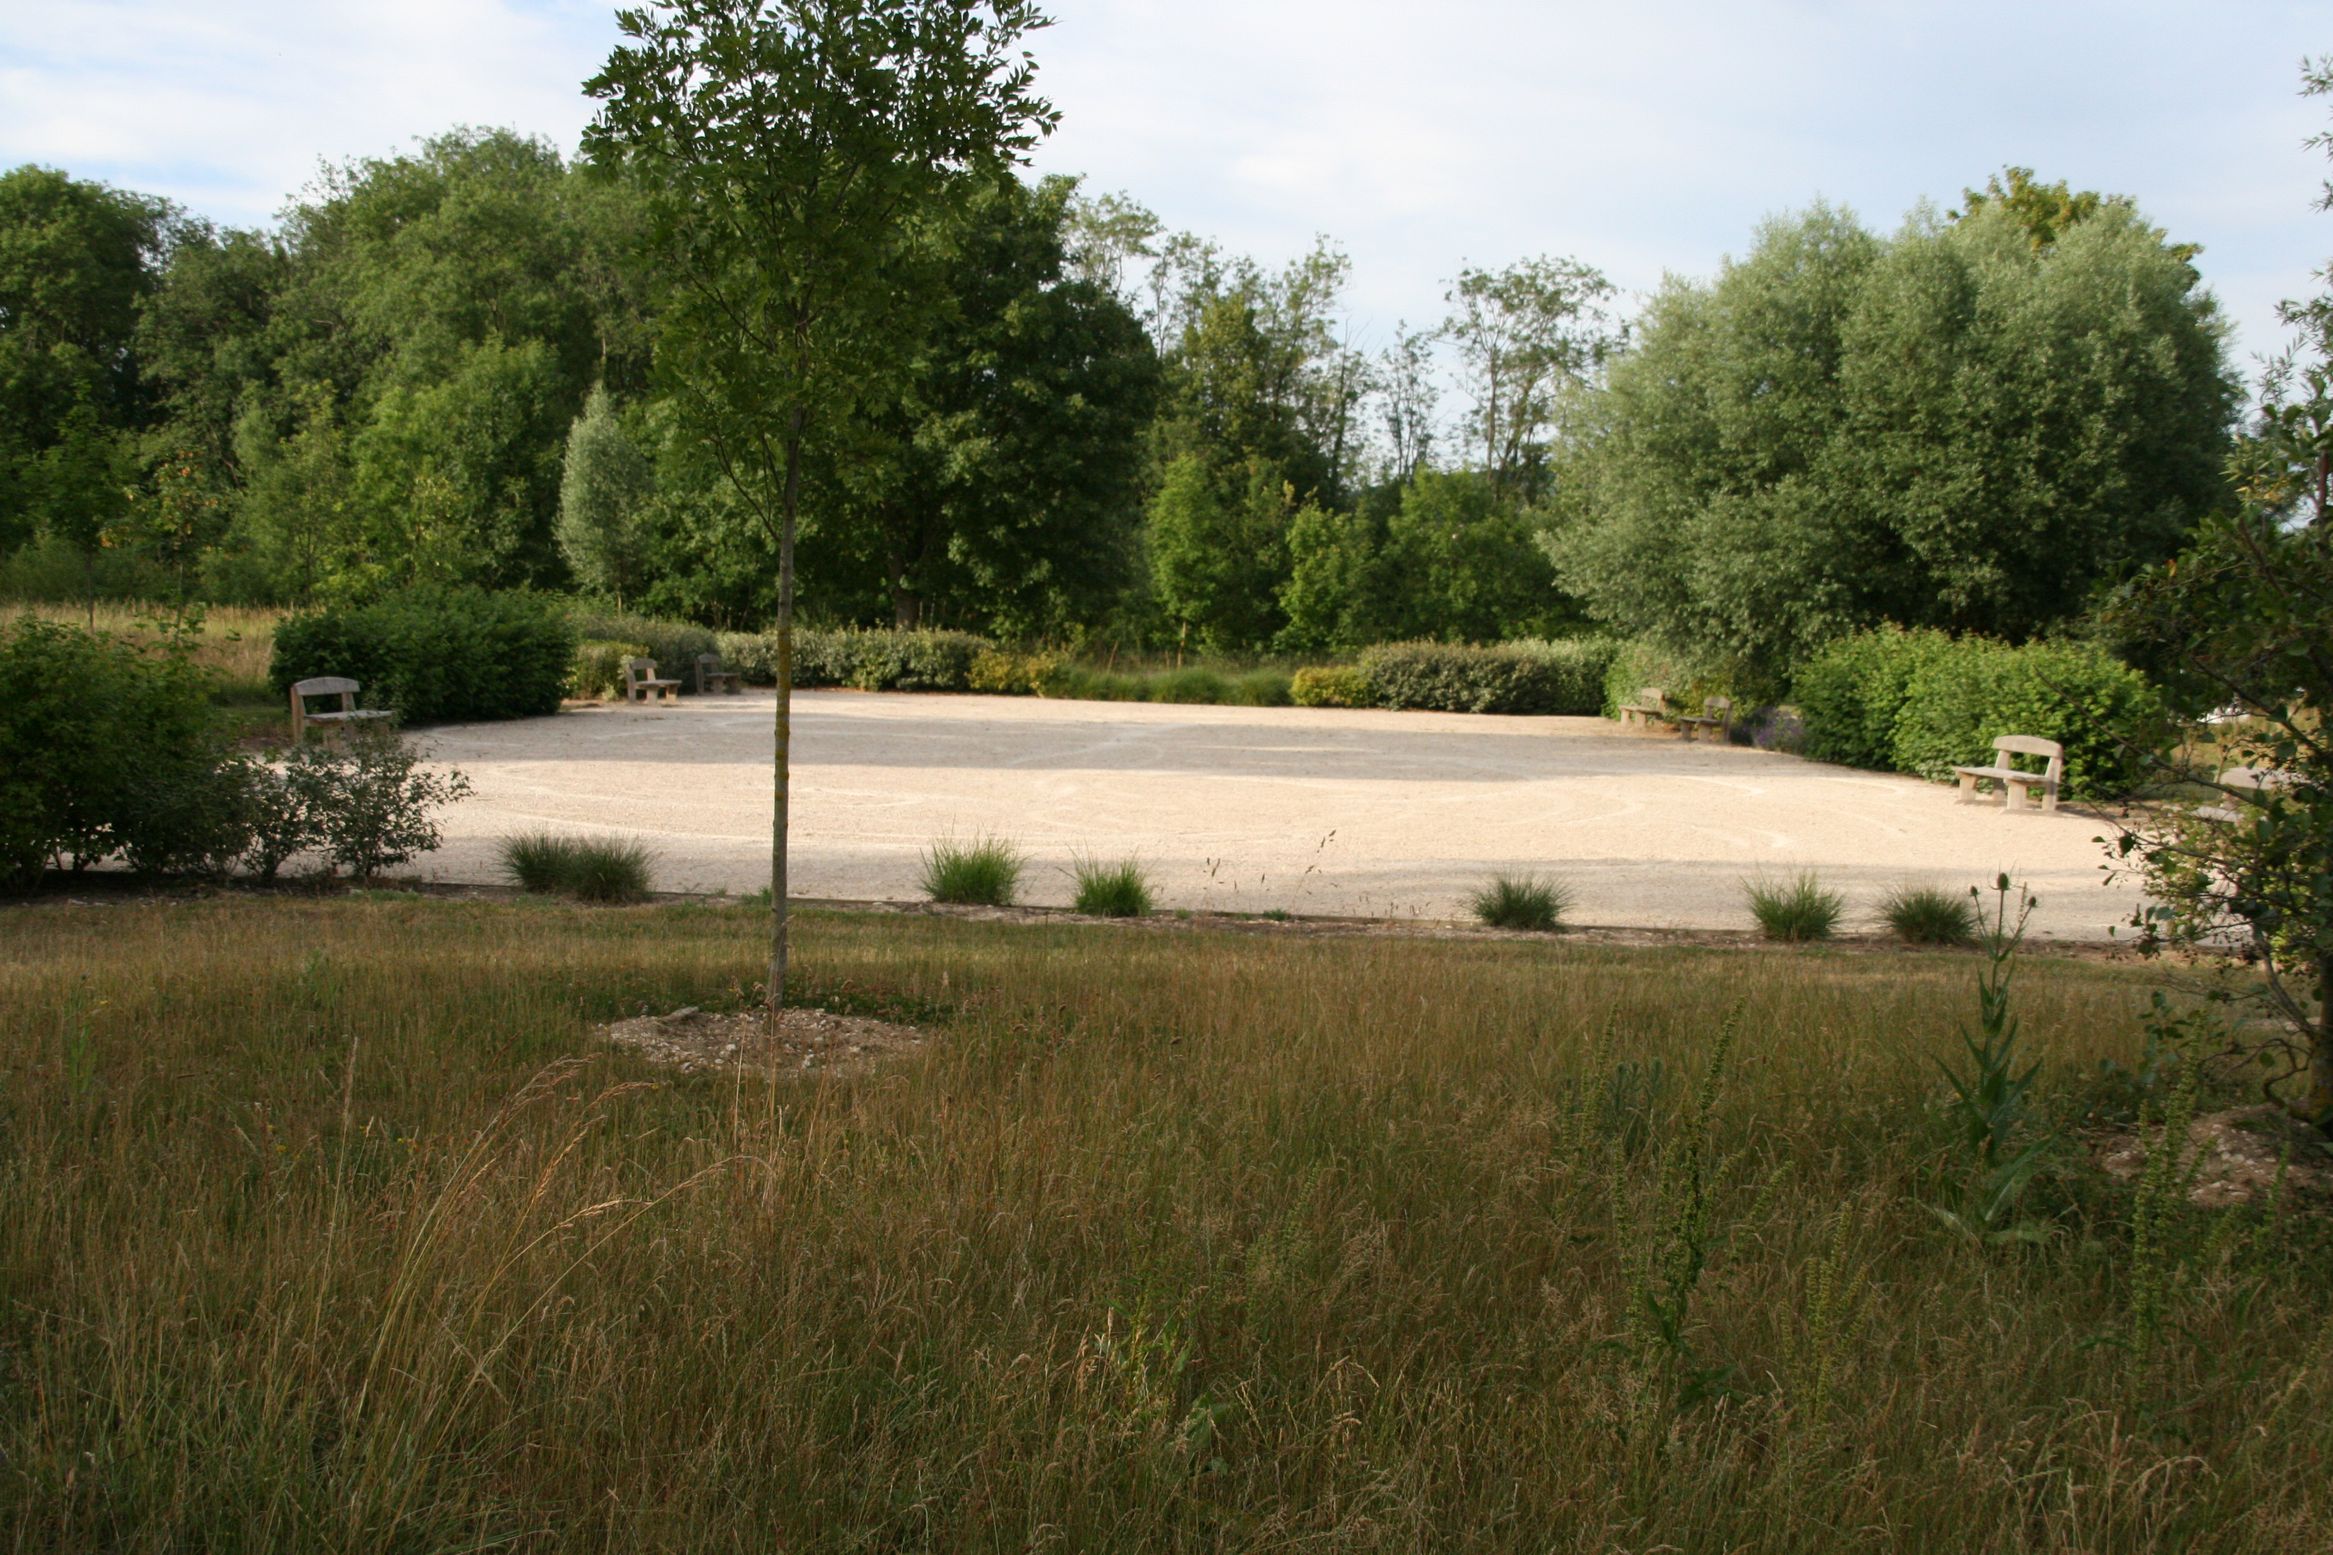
2103, 712
1687, 678
1004, 672
374, 805
590, 869
1119, 890
1192, 686
1260, 688
438, 654
1929, 915
1794, 910
1517, 677
110, 748
981, 873
1850, 693
1522, 902
599, 668
752, 655
1072, 682
1330, 685
673, 645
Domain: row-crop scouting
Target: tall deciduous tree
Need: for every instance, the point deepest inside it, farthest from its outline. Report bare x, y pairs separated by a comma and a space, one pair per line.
604, 486
1523, 334
789, 150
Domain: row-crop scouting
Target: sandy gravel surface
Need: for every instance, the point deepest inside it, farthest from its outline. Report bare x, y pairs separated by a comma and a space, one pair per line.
1246, 809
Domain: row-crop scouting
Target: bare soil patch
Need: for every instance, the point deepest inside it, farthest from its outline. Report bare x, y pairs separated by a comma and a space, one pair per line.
2239, 1154
808, 1041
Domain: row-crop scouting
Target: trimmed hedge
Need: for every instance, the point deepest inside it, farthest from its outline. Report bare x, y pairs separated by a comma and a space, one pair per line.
673, 645
1517, 677
1924, 702
2102, 711
1850, 693
870, 659
433, 654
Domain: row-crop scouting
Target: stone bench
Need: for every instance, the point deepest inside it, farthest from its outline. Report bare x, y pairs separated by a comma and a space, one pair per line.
2237, 782
712, 677
1651, 706
333, 723
2017, 784
640, 682
1716, 717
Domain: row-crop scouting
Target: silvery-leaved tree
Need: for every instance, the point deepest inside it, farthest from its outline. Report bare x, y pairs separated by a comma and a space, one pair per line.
794, 156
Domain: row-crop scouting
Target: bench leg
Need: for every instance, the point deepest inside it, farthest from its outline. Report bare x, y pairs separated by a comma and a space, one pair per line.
1968, 789
2049, 798
2012, 795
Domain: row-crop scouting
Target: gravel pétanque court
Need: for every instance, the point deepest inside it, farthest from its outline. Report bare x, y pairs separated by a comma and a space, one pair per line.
1245, 809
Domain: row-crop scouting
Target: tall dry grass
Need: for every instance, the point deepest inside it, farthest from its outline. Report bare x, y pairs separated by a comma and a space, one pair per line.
324, 1225
234, 641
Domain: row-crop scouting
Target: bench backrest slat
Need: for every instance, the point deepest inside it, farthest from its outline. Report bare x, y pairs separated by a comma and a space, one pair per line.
2031, 745
324, 686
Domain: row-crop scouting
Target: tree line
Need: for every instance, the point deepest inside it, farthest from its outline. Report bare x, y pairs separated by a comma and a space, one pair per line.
458, 365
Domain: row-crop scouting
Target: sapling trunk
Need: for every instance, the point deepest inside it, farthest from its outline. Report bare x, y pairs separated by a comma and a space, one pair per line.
2321, 1048
783, 739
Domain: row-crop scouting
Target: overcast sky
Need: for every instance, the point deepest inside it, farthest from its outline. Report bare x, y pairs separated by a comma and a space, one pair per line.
1641, 138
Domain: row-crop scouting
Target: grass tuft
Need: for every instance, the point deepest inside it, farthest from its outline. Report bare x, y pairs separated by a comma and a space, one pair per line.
1930, 915
1794, 910
981, 873
1522, 902
588, 869
1119, 890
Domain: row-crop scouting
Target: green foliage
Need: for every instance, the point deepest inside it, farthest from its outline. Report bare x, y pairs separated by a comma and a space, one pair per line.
1522, 902
1992, 1096
1633, 665
1518, 677
1218, 550
983, 872
1525, 335
1005, 672
590, 869
1851, 693
599, 668
107, 748
1929, 915
2104, 713
1953, 428
374, 805
1331, 685
1794, 910
437, 655
674, 645
605, 483
1120, 890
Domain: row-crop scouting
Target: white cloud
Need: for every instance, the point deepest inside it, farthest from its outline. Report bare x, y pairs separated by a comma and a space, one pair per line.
1642, 138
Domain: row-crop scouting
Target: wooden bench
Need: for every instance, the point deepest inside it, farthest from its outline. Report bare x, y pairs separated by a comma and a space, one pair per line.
640, 682
2242, 779
2015, 782
1651, 706
333, 723
712, 677
1716, 716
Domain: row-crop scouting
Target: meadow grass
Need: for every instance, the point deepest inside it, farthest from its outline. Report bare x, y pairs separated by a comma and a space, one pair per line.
326, 1224
235, 642
984, 872
1522, 902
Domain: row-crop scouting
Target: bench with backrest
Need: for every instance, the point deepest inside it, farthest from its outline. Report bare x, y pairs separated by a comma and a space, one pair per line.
1716, 717
641, 682
1651, 706
334, 722
712, 677
2016, 782
2241, 780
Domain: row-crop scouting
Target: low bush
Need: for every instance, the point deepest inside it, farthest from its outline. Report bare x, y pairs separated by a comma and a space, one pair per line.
1517, 677
872, 659
1006, 672
1850, 693
1930, 915
589, 869
599, 668
1637, 663
1522, 902
2103, 712
1260, 688
1330, 685
108, 747
438, 654
753, 656
1119, 890
984, 872
1195, 686
1794, 910
374, 804
674, 645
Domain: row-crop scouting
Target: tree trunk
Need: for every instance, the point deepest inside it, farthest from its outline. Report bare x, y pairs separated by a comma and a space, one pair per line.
784, 732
